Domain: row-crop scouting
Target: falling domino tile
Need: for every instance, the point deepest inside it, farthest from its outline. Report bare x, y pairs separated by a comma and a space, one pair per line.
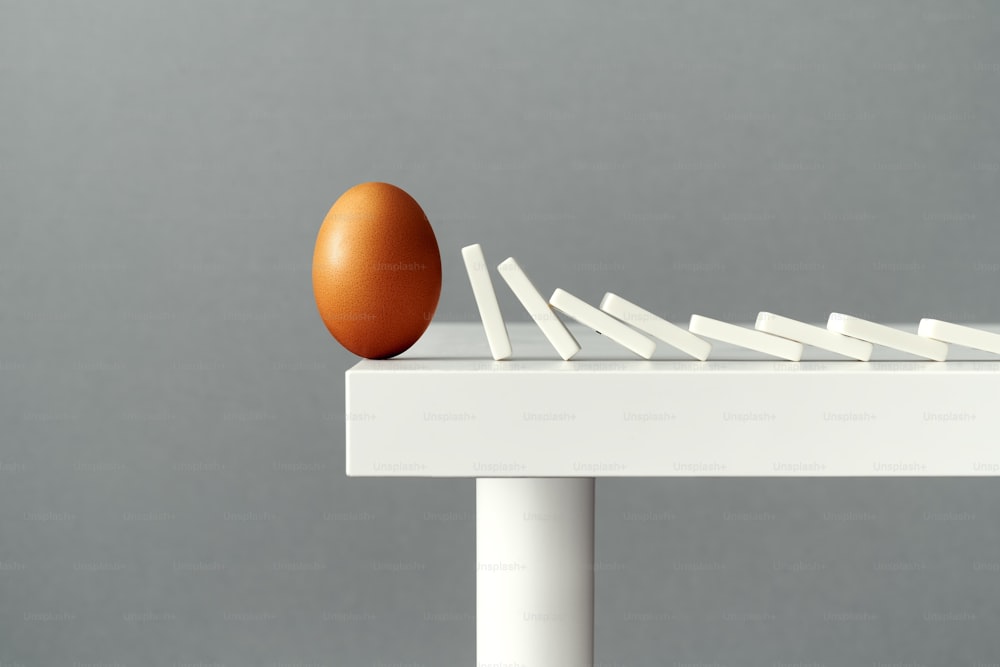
809, 334
486, 300
557, 333
748, 338
659, 328
585, 314
880, 334
946, 332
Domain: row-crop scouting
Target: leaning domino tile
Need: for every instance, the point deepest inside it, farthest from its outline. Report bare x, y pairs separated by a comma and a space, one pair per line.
748, 338
879, 334
958, 334
809, 334
538, 308
647, 322
601, 322
486, 300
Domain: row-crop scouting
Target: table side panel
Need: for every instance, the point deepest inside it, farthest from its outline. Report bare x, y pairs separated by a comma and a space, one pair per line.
672, 424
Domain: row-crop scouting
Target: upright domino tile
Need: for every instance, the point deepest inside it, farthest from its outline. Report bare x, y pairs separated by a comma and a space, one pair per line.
556, 332
599, 321
748, 338
809, 334
957, 334
655, 326
879, 334
486, 301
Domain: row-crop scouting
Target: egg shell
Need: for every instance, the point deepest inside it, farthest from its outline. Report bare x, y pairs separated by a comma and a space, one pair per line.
376, 270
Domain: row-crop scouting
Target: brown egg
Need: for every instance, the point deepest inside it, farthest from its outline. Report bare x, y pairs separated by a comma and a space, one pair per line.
376, 270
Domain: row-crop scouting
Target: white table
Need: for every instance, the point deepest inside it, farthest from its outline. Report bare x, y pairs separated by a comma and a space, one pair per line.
536, 431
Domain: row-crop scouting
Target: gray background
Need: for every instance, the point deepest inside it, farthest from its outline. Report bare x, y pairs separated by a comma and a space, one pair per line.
171, 453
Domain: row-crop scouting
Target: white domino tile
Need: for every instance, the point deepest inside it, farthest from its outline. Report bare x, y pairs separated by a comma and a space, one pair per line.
486, 300
599, 321
957, 334
748, 338
879, 334
655, 326
543, 315
809, 334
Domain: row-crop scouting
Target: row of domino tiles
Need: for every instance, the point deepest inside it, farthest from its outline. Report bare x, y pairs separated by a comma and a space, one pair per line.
637, 329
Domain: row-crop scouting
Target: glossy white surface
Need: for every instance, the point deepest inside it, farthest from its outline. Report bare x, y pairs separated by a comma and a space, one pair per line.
887, 336
601, 322
748, 338
445, 409
656, 326
486, 301
809, 334
538, 308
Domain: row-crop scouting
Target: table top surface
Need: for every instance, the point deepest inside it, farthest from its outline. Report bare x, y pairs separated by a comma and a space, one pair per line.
446, 409
462, 347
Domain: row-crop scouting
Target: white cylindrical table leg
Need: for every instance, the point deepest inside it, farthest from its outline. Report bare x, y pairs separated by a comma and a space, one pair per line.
535, 572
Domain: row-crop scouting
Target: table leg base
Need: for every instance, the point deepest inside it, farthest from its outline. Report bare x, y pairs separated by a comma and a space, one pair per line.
535, 572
